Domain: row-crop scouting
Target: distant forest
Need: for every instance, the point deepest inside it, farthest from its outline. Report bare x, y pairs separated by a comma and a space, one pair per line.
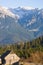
25, 50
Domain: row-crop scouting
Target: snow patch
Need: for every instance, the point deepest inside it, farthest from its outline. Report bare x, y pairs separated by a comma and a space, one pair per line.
5, 11
27, 8
31, 22
34, 30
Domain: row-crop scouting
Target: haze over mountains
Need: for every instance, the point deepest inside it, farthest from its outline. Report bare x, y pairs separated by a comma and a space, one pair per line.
20, 24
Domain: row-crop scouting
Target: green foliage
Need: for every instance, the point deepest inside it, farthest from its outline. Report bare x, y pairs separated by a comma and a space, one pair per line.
24, 50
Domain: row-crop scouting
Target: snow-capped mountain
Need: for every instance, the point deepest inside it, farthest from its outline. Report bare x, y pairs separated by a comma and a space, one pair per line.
20, 24
10, 30
30, 19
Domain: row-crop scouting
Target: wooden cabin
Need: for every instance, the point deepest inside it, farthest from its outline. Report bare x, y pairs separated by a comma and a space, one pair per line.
9, 59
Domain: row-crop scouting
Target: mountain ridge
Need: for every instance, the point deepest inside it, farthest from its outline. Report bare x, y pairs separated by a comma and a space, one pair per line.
10, 30
32, 20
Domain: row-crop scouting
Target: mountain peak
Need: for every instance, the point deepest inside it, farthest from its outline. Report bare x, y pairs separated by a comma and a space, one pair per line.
26, 8
5, 11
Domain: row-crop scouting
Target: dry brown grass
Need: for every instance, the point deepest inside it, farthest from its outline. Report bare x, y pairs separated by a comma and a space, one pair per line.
36, 57
32, 64
26, 63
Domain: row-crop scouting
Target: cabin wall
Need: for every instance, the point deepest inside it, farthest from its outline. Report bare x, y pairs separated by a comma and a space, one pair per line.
9, 63
17, 63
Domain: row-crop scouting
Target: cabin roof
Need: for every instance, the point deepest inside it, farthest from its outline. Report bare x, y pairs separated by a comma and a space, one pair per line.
12, 57
5, 53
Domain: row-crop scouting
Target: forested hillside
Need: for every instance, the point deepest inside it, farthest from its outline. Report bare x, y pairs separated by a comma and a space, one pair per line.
32, 51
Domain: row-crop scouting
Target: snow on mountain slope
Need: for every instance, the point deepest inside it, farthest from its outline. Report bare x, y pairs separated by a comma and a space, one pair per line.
5, 11
26, 8
10, 30
20, 24
31, 22
30, 19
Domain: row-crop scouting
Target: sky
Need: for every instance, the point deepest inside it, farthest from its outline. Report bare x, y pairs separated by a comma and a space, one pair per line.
23, 3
